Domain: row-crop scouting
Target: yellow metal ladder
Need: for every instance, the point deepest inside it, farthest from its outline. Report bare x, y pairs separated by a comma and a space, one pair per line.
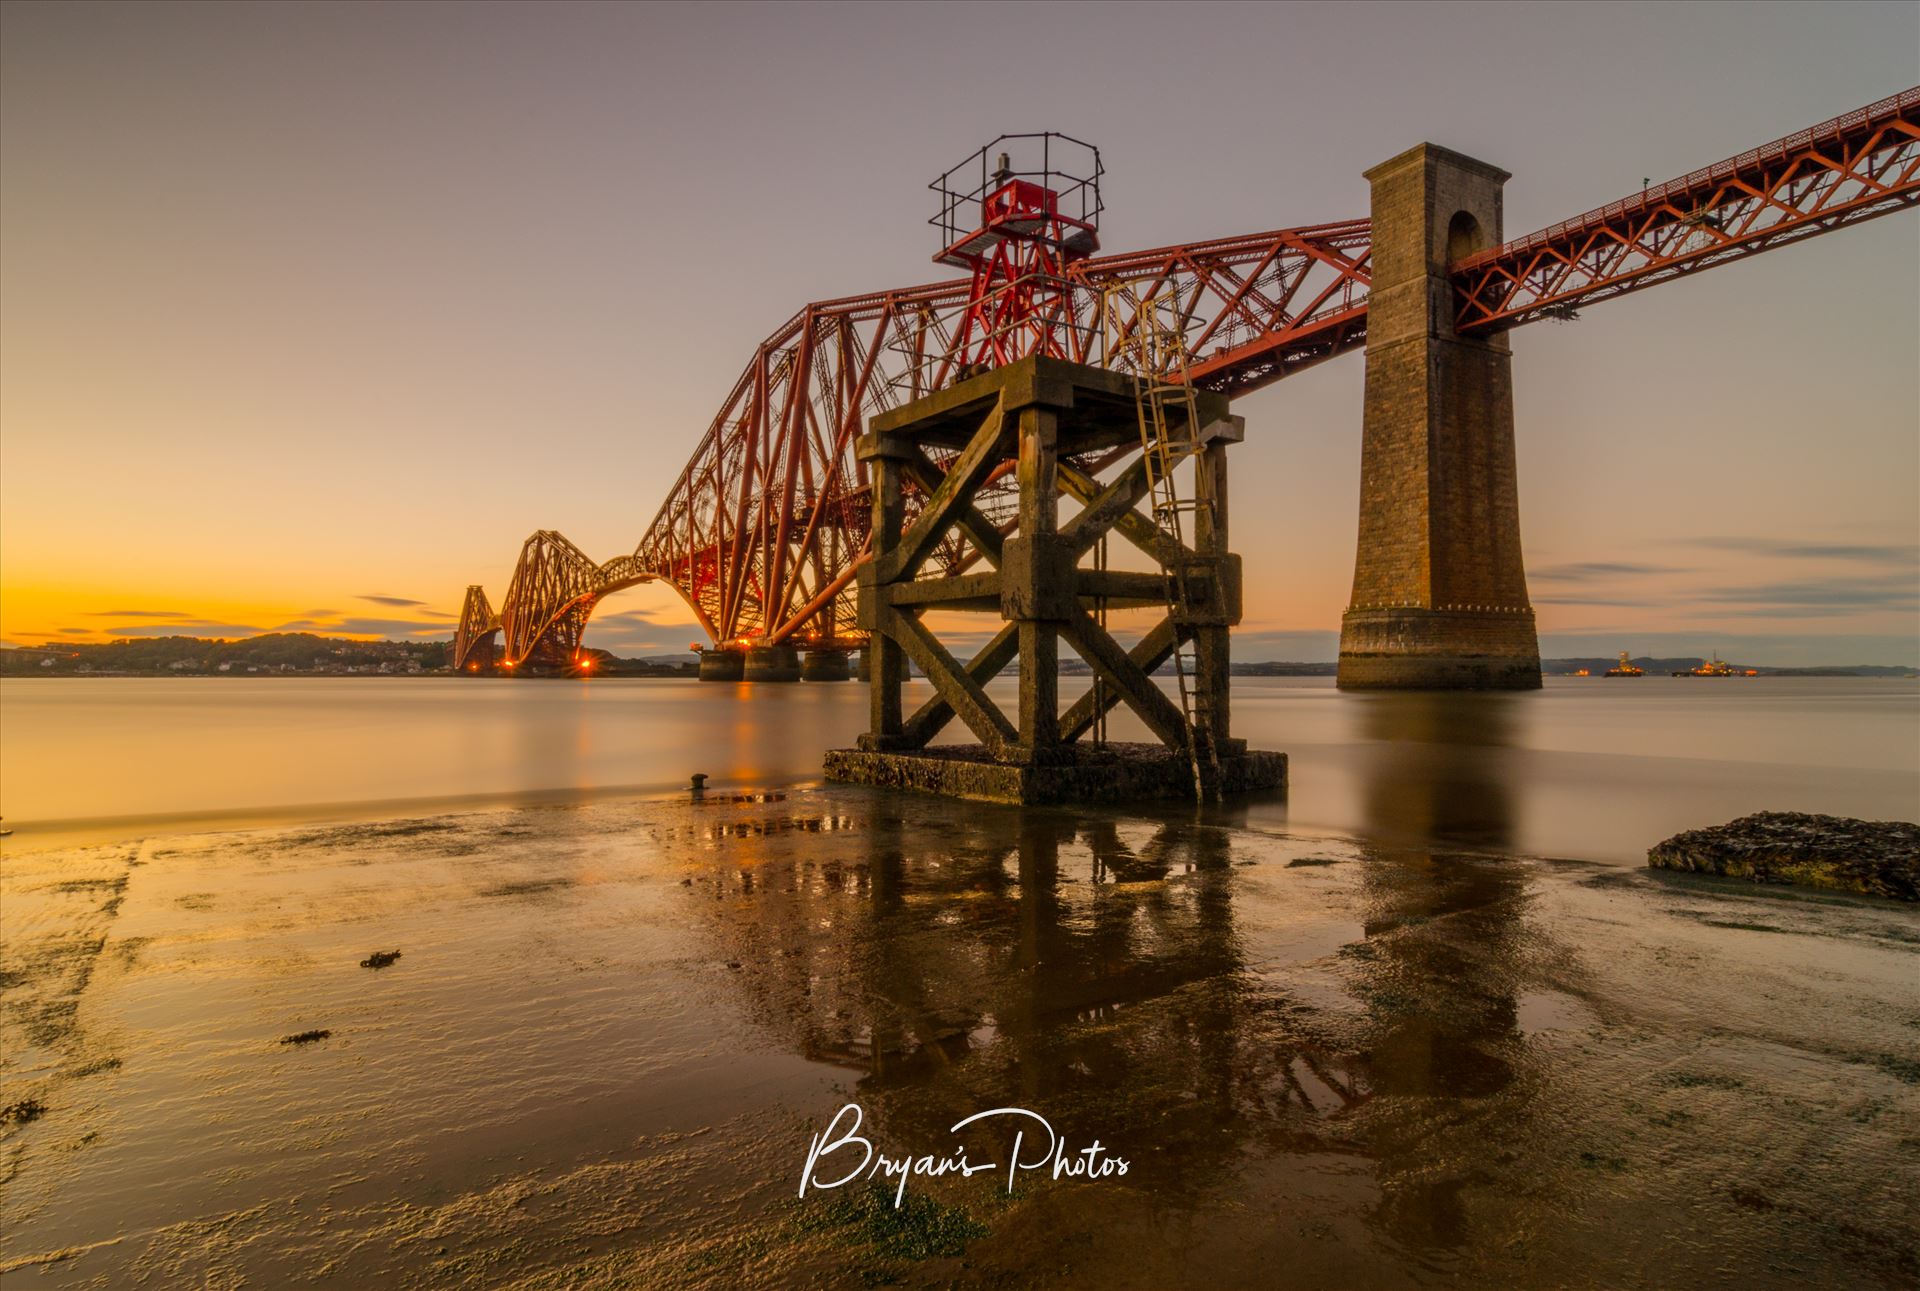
1154, 339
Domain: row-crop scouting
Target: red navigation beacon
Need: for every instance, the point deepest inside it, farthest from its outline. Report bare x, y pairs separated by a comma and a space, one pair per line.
1016, 230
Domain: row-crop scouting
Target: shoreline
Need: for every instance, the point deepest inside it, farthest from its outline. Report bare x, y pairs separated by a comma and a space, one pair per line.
91, 835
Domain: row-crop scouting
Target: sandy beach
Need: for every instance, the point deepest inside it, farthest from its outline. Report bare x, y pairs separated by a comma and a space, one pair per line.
614, 1028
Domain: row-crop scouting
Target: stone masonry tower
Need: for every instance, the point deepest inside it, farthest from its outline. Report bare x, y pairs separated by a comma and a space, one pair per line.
1439, 591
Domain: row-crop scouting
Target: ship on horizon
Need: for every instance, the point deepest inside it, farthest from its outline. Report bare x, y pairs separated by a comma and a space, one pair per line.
1625, 668
1715, 668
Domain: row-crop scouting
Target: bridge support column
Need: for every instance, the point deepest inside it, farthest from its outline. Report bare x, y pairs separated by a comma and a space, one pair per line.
722, 665
1439, 588
772, 663
826, 665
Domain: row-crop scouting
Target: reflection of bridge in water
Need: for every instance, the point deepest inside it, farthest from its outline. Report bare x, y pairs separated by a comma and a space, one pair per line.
1117, 975
765, 529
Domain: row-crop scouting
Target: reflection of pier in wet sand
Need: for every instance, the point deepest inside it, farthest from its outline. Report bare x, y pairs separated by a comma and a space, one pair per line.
615, 1027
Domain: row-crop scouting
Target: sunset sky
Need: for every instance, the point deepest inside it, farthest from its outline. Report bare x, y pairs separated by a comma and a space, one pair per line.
310, 314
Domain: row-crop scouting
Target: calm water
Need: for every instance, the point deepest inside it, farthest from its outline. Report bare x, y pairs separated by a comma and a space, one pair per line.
1588, 768
615, 1026
1391, 1061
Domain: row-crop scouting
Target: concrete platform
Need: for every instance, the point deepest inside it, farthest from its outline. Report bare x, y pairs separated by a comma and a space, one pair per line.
723, 665
1113, 774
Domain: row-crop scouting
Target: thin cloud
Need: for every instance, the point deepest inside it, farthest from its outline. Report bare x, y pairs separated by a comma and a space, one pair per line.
1902, 554
398, 602
200, 628
389, 627
1612, 602
1832, 595
1587, 570
137, 614
1869, 555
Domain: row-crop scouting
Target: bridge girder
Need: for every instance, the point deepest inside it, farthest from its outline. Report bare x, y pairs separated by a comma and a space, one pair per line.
1852, 168
475, 640
766, 526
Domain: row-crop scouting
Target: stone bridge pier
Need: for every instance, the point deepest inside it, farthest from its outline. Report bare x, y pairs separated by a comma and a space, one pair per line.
1439, 590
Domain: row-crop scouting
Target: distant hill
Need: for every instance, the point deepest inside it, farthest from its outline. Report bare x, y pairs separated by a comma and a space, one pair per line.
1662, 667
190, 656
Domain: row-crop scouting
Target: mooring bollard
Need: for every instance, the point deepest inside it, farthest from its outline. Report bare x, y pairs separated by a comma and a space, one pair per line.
699, 783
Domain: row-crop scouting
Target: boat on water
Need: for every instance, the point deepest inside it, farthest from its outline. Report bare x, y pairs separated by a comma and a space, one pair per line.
1715, 668
1625, 668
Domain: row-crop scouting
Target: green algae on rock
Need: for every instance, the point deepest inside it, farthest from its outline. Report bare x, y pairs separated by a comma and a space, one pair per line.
1839, 853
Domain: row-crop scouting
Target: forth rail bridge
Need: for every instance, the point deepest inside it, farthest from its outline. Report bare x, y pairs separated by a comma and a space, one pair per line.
767, 527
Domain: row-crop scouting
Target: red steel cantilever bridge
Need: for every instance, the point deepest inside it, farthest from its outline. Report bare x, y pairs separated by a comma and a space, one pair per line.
766, 527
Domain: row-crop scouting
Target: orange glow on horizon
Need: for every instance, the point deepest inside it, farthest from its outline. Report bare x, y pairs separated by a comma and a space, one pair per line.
36, 614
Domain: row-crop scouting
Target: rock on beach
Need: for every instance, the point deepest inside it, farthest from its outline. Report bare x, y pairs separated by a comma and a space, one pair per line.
1876, 857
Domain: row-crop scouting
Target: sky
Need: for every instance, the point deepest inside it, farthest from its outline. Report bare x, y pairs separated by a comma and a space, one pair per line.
310, 314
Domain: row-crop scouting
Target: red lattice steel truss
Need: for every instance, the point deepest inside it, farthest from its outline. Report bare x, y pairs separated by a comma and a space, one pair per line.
765, 528
1843, 171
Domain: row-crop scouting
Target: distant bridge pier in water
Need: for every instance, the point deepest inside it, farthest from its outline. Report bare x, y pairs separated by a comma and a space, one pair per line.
723, 663
826, 665
772, 663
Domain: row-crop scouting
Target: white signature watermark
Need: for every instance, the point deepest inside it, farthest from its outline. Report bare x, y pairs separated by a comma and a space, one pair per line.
843, 1155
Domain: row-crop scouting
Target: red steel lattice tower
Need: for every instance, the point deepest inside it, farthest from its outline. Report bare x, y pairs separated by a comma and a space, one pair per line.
1016, 230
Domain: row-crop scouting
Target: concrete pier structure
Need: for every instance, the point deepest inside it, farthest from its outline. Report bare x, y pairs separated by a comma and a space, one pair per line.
1439, 588
825, 665
1045, 415
718, 664
772, 663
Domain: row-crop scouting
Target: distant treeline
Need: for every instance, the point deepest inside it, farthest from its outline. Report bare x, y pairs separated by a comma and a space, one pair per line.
274, 652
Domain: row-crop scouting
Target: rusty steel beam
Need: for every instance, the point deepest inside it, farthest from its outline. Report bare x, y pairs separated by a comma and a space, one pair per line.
764, 523
1852, 168
475, 640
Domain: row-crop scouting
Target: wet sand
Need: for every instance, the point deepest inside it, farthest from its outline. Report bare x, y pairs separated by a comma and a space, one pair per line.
614, 1026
